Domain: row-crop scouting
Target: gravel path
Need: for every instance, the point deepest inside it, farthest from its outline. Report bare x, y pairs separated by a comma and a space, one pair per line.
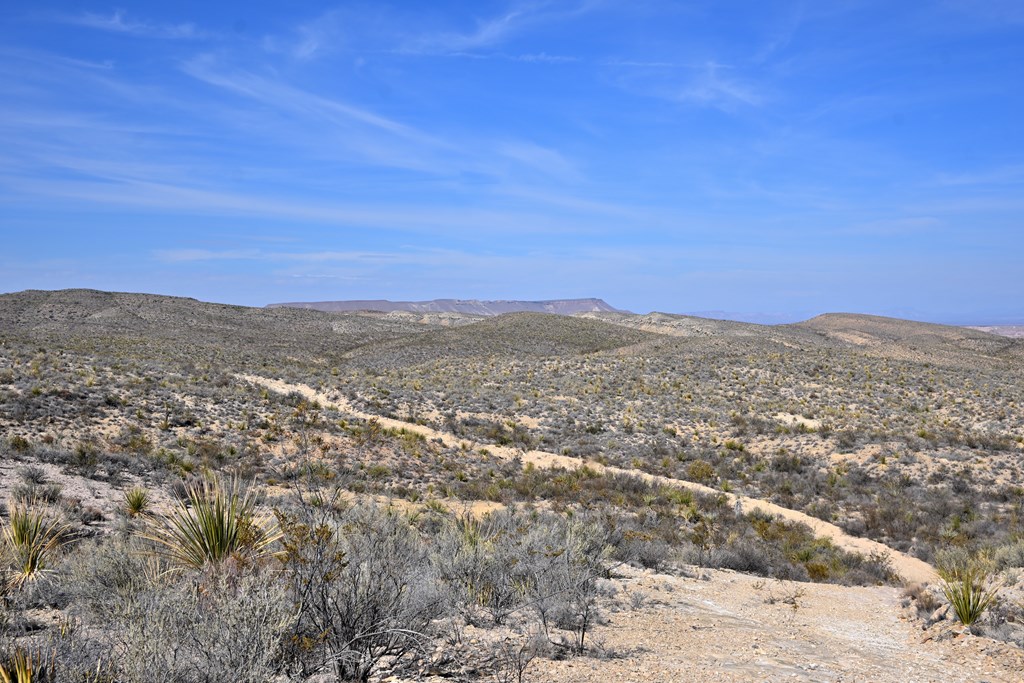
734, 627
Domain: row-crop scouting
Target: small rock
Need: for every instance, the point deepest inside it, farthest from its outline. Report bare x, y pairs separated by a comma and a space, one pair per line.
940, 614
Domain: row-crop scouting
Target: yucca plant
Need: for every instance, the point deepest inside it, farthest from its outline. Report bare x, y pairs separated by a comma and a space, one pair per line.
23, 667
31, 537
969, 593
214, 521
136, 501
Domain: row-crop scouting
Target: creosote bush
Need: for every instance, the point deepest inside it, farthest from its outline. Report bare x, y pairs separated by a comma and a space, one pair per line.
364, 589
510, 562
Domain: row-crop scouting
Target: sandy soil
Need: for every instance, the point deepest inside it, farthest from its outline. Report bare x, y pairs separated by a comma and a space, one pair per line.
734, 627
90, 493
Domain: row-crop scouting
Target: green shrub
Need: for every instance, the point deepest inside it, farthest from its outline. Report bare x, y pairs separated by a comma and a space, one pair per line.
1011, 554
700, 470
18, 443
363, 587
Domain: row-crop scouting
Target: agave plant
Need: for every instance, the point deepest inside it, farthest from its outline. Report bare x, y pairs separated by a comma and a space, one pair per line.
214, 521
30, 538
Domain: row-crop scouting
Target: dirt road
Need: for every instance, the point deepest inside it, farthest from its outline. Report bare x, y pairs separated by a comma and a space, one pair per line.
910, 568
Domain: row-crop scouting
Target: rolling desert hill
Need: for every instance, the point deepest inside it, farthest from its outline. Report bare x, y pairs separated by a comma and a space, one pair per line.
281, 329
190, 329
911, 339
713, 500
705, 331
511, 335
474, 307
1016, 331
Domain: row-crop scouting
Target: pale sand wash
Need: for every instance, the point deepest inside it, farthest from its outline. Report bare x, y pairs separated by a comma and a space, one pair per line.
910, 568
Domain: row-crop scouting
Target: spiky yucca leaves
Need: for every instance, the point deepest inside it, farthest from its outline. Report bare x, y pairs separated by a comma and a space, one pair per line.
966, 582
136, 501
214, 522
30, 537
969, 593
23, 667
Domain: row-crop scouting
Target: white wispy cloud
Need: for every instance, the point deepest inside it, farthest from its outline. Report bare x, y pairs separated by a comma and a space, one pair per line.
383, 140
533, 272
187, 200
311, 39
496, 30
544, 58
575, 203
488, 33
191, 255
892, 227
1003, 175
782, 34
713, 87
152, 162
548, 161
530, 58
702, 84
646, 64
118, 22
280, 95
54, 60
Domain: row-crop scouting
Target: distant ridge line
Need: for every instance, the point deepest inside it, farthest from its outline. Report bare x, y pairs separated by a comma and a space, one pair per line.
463, 306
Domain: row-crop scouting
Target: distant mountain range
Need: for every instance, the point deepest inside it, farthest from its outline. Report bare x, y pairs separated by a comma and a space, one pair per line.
464, 306
413, 333
749, 317
1016, 331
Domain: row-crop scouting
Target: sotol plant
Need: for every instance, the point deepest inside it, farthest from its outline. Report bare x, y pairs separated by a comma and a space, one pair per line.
969, 593
136, 501
30, 539
216, 520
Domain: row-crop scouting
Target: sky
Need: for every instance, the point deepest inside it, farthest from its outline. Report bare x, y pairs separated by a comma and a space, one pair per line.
781, 158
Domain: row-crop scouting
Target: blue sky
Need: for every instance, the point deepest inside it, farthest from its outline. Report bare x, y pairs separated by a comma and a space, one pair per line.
777, 157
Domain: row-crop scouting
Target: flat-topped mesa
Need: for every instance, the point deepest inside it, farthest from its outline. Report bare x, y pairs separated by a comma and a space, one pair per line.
463, 306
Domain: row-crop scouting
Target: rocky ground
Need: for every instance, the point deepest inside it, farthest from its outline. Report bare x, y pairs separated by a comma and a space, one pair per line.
726, 626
